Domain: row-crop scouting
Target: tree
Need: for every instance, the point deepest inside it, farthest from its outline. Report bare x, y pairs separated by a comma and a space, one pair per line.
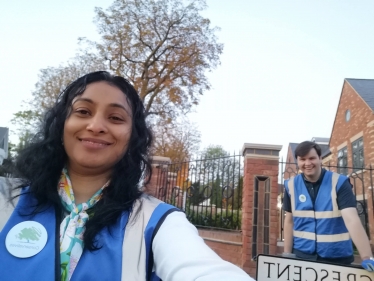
178, 140
224, 176
163, 47
196, 194
214, 151
213, 158
52, 81
24, 140
236, 200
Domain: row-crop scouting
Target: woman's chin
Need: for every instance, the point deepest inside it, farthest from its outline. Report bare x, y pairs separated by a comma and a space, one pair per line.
90, 165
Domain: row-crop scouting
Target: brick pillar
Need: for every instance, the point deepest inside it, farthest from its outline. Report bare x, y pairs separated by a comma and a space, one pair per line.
259, 202
159, 175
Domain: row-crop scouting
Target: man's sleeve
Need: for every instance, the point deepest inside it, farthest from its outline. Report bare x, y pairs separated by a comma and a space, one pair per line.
286, 202
345, 196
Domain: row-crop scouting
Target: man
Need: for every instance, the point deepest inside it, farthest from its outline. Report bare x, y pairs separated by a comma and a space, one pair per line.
321, 216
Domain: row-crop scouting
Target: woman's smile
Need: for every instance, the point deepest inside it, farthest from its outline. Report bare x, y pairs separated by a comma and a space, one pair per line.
94, 143
98, 130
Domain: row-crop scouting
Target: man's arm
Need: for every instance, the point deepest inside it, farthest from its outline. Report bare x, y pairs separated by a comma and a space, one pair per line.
357, 232
287, 224
286, 204
288, 233
347, 204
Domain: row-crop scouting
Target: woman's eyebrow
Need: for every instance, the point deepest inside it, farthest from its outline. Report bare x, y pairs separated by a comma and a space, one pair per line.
82, 99
117, 105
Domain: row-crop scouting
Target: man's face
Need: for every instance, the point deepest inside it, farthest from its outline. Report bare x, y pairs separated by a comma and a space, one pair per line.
310, 165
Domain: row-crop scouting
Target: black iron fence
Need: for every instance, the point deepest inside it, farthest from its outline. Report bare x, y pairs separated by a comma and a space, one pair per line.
209, 191
360, 178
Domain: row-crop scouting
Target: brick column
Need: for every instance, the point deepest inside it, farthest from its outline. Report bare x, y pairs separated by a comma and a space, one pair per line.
259, 202
159, 175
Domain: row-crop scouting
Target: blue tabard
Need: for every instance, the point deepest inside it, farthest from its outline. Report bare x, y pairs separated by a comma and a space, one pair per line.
319, 228
101, 265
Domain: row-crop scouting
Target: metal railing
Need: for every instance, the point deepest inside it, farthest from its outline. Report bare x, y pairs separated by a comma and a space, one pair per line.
209, 191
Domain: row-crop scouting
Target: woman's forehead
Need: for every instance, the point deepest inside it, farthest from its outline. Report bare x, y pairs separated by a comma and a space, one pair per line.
103, 93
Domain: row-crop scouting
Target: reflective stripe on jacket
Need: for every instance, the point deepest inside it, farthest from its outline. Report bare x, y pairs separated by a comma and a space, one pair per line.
127, 241
319, 228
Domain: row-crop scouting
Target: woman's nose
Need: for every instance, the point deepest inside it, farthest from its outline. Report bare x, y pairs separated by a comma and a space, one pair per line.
97, 125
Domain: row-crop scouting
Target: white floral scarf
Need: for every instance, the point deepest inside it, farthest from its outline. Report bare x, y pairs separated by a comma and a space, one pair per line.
73, 226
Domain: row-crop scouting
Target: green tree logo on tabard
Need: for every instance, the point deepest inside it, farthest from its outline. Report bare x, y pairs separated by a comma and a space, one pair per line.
31, 233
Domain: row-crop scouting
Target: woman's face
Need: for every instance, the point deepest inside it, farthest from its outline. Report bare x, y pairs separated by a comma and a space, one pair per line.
98, 129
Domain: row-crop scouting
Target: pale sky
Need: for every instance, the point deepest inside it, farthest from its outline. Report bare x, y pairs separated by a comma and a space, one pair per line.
281, 72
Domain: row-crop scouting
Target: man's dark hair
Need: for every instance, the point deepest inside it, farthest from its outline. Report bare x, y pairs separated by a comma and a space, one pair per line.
303, 148
40, 164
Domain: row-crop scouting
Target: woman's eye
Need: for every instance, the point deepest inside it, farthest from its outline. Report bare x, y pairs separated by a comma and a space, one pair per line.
82, 112
116, 118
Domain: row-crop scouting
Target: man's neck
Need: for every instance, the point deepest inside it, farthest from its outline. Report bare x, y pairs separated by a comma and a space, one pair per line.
314, 178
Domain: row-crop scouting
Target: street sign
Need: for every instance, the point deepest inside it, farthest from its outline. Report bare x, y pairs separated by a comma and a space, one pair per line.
273, 268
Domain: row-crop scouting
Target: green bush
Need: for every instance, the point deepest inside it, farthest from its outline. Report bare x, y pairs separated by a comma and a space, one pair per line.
226, 219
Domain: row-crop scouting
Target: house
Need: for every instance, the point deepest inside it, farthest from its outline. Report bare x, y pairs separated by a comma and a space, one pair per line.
351, 141
352, 144
4, 132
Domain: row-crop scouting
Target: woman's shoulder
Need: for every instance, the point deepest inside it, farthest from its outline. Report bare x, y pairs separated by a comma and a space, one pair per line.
149, 199
149, 205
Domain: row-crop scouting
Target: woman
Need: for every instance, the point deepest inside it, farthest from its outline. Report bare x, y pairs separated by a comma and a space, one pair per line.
81, 214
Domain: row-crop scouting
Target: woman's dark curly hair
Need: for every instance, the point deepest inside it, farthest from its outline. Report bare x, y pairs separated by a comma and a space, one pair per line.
41, 163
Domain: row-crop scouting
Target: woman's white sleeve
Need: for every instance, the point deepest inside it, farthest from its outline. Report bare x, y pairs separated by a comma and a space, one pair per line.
181, 254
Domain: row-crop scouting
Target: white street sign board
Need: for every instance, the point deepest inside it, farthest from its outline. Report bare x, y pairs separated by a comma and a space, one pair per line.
272, 268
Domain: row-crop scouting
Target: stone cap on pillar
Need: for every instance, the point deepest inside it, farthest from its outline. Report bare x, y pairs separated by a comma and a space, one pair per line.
160, 160
259, 150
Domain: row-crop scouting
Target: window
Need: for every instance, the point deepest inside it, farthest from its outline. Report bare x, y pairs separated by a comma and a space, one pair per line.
2, 144
358, 154
347, 115
342, 161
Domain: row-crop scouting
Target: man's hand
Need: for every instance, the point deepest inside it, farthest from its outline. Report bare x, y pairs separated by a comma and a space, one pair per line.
357, 233
368, 264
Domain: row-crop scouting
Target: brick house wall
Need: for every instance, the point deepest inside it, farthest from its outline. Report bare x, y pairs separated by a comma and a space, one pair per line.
290, 168
360, 124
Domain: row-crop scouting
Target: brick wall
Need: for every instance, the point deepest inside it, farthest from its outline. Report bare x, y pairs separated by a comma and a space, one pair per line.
227, 244
260, 191
159, 175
